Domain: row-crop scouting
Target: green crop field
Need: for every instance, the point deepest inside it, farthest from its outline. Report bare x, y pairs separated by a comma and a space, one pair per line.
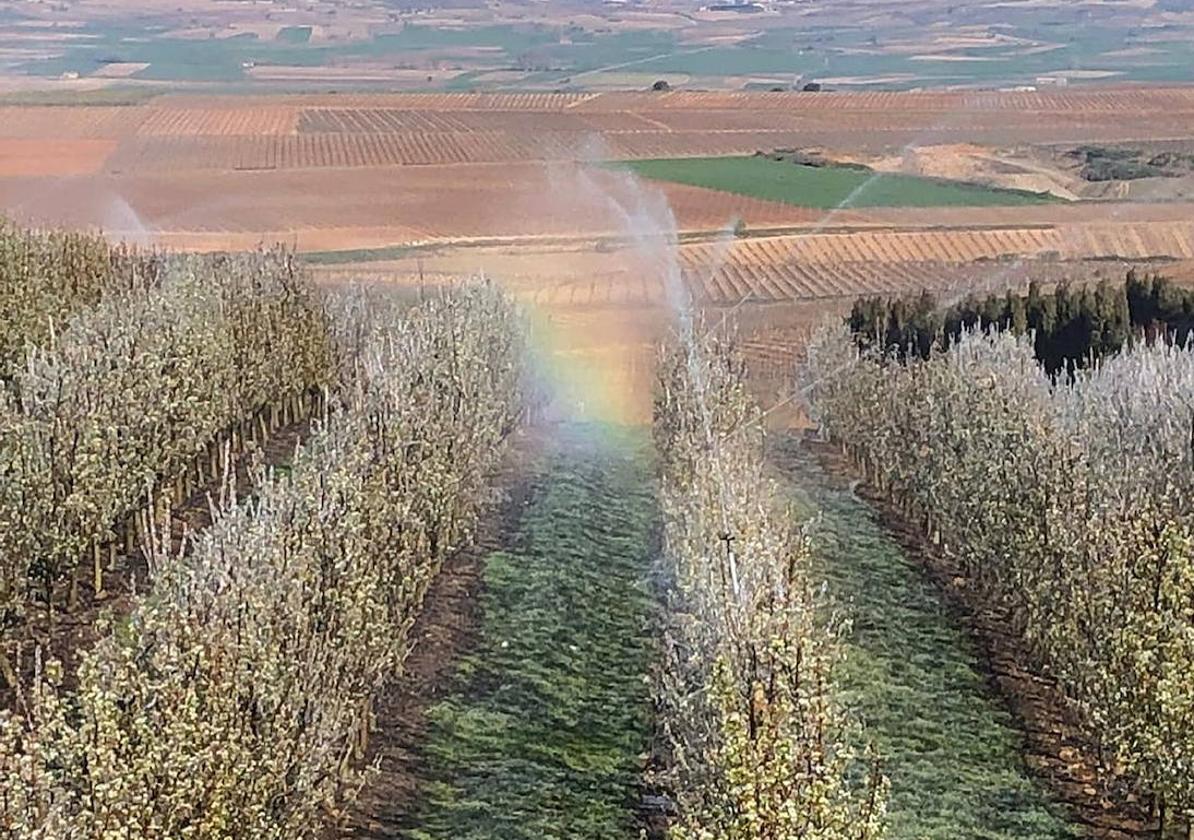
295, 34
827, 187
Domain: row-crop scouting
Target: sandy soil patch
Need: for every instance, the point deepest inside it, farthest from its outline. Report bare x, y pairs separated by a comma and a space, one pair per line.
360, 72
634, 20
264, 31
500, 76
616, 79
869, 80
1038, 49
37, 84
41, 24
20, 56
859, 51
338, 33
1087, 74
976, 164
119, 69
1133, 52
48, 36
979, 37
933, 44
950, 57
724, 40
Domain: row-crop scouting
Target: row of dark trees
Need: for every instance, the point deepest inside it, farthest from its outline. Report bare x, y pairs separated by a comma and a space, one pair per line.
1072, 325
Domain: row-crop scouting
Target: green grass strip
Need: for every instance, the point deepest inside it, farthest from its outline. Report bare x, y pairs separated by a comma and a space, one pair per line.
294, 34
114, 96
542, 734
950, 746
354, 255
827, 187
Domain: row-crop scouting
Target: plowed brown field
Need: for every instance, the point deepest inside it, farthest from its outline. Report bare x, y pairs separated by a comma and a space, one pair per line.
69, 123
326, 209
53, 158
218, 122
177, 133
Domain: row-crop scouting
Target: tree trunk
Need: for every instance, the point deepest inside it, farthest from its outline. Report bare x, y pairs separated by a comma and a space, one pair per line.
7, 672
72, 598
99, 570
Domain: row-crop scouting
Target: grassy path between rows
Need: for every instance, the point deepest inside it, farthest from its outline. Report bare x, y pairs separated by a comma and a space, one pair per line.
542, 731
952, 750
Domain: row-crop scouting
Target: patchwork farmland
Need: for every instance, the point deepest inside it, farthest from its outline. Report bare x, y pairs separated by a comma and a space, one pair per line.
461, 171
420, 129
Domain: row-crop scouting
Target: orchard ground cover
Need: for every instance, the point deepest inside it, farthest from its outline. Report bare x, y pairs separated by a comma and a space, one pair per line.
951, 748
543, 731
547, 715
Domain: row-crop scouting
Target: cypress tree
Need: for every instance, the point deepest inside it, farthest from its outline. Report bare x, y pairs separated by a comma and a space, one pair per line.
1112, 306
1123, 317
1034, 307
926, 324
1139, 293
1087, 329
992, 312
1017, 314
1071, 326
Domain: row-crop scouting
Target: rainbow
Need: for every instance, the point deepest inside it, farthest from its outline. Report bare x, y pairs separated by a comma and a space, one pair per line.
591, 371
